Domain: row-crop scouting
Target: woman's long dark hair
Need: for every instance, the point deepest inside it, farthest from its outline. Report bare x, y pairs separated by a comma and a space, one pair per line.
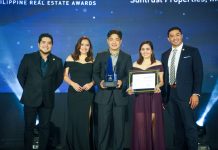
77, 53
140, 60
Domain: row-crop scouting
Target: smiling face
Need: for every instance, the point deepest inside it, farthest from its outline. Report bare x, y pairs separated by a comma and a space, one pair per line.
84, 46
45, 45
146, 51
114, 42
175, 37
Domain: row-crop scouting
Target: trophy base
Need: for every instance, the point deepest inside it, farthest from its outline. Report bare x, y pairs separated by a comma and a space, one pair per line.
110, 84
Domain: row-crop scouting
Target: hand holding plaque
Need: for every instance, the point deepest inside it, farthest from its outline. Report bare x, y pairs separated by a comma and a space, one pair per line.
110, 74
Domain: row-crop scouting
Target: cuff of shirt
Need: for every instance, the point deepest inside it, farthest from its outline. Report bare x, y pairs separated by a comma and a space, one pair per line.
196, 94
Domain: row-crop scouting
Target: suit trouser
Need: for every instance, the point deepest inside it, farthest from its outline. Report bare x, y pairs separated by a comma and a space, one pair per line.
185, 128
30, 115
108, 114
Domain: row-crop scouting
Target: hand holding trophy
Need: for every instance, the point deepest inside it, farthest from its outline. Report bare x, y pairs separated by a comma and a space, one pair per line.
110, 75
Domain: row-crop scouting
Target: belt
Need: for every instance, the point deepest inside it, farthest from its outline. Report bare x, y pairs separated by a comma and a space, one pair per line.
173, 85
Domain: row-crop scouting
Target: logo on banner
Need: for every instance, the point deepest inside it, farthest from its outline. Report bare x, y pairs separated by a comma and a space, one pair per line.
49, 2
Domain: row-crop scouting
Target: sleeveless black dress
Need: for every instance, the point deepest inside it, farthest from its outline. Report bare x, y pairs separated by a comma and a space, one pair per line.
79, 104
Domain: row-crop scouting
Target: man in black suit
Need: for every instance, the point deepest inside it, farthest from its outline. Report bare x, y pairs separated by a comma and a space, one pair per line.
40, 74
112, 101
183, 75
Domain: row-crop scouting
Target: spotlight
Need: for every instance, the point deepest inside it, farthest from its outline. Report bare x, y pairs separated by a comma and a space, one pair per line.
8, 72
213, 99
202, 144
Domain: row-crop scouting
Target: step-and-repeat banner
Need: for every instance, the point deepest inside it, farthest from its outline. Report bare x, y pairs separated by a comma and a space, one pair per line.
22, 21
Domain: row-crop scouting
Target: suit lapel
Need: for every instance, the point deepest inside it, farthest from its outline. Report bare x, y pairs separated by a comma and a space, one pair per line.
180, 59
120, 58
38, 62
105, 58
167, 58
107, 54
51, 60
168, 55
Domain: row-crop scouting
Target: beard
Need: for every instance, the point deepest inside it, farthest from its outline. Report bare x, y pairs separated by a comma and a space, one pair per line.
45, 53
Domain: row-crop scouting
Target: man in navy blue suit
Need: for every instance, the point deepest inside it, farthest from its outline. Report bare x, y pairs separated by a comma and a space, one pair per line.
183, 75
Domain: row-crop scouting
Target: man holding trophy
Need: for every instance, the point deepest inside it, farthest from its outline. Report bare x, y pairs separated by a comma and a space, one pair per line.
110, 73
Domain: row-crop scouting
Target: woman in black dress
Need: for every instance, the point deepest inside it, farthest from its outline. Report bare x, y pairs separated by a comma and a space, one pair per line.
148, 131
78, 74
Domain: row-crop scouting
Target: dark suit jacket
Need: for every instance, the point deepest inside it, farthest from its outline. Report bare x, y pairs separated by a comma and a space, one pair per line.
123, 65
36, 88
189, 74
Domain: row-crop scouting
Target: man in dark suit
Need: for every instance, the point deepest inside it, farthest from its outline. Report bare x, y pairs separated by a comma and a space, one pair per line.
40, 74
112, 101
183, 75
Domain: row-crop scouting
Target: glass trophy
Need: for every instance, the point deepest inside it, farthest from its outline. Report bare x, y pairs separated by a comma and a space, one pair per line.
110, 74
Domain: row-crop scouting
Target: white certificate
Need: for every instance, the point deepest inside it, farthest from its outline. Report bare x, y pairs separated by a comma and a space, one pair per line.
143, 81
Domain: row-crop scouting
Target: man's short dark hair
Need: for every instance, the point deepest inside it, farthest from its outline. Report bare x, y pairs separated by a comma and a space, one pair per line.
117, 32
45, 35
174, 28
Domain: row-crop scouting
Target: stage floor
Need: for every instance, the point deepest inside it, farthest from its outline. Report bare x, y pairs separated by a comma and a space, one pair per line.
12, 125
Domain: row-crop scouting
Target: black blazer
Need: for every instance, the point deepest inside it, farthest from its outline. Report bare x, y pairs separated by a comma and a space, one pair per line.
189, 74
123, 65
36, 88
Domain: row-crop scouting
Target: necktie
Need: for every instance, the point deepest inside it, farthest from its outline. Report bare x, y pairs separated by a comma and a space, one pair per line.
172, 68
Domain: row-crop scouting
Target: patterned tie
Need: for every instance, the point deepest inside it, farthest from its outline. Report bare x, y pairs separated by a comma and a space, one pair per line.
172, 68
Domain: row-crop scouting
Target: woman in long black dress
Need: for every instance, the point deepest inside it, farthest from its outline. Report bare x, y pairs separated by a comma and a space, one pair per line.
78, 74
148, 131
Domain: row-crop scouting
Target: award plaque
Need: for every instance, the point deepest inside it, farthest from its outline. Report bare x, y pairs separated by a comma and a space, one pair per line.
143, 81
110, 75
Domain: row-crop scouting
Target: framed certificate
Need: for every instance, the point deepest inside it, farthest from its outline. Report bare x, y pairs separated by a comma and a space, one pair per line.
143, 81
